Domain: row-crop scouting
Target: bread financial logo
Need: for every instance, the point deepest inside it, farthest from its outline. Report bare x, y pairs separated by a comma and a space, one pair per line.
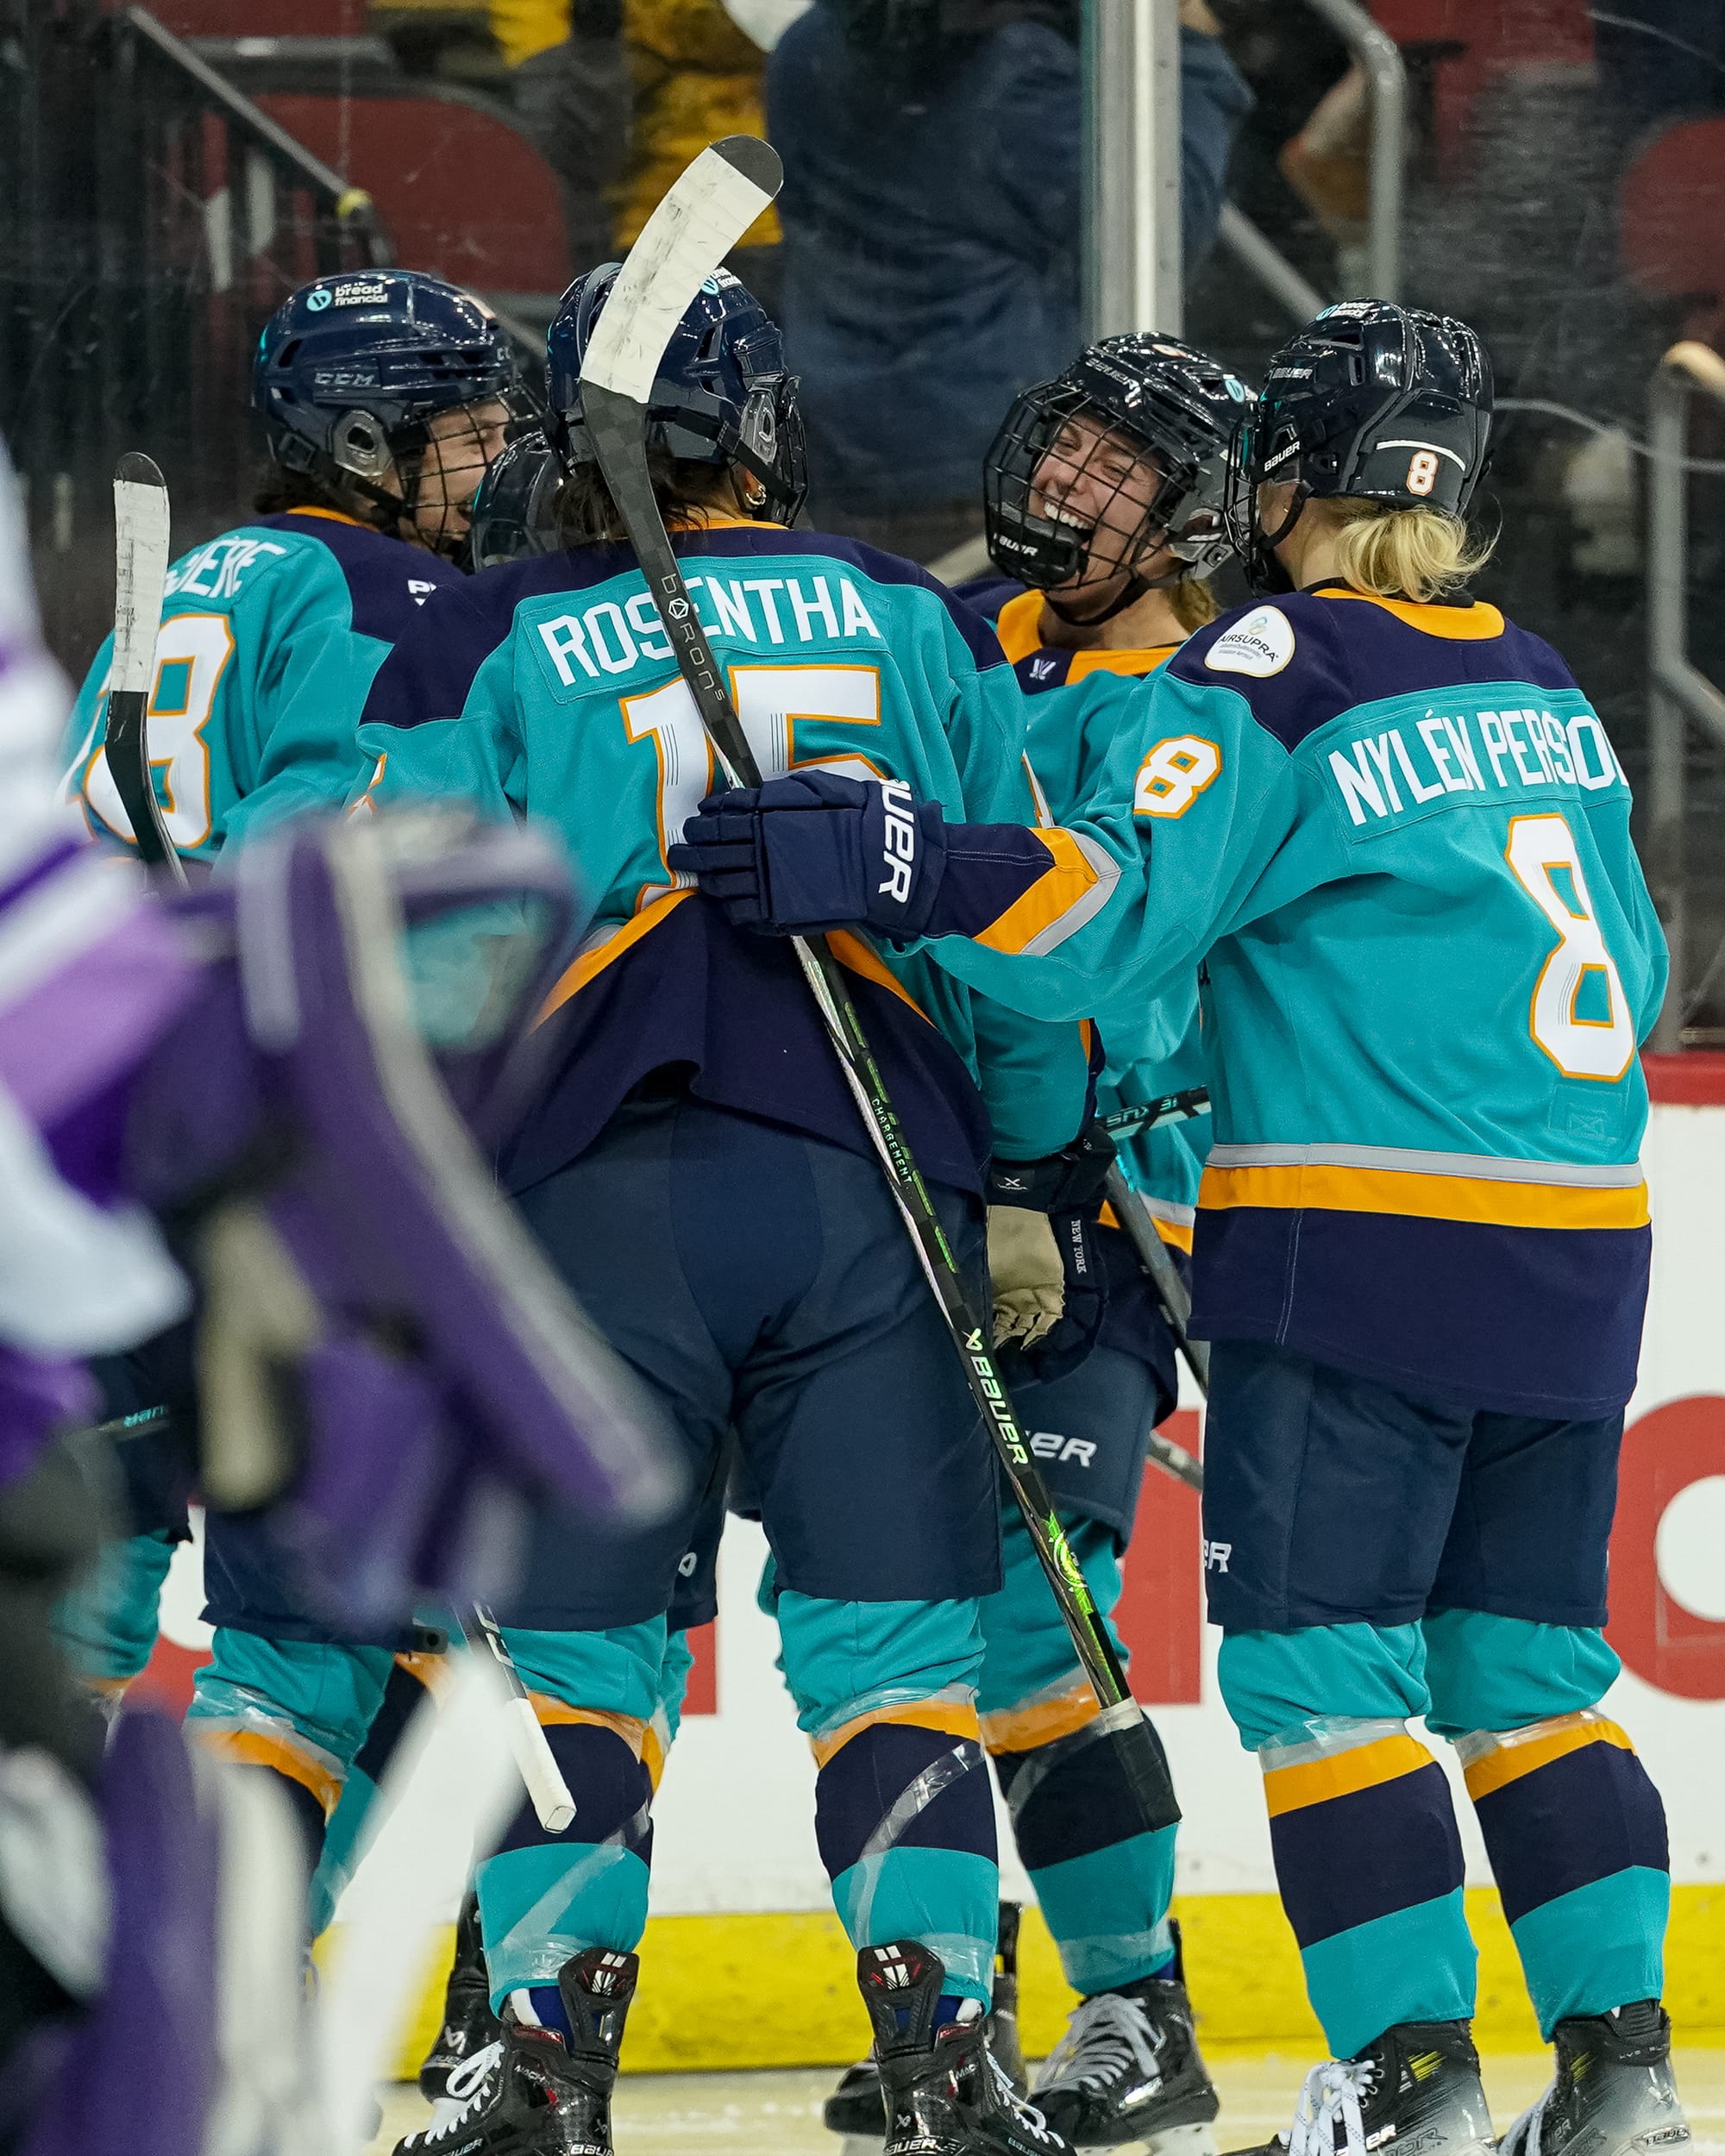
1260, 642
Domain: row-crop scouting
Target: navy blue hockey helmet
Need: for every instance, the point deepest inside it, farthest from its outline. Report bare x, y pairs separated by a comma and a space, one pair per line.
721, 396
1066, 503
351, 369
1372, 402
514, 512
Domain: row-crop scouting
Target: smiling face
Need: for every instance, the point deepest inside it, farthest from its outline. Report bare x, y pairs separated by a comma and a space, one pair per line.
1097, 479
462, 445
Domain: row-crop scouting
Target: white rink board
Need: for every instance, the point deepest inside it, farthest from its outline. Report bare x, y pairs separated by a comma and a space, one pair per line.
734, 1816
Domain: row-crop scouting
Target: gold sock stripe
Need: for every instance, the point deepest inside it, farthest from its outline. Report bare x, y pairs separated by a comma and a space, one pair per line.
1292, 1788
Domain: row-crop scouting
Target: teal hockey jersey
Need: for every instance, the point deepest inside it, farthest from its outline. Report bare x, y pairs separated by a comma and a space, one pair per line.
270, 635
1079, 701
546, 688
1396, 836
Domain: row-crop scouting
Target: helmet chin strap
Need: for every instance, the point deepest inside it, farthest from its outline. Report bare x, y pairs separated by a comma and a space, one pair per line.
1264, 571
1136, 584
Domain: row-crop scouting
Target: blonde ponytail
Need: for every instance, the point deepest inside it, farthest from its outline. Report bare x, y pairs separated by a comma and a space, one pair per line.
1193, 602
1417, 554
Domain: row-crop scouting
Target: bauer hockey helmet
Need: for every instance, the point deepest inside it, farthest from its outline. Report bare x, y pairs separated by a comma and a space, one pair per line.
1370, 400
1067, 504
514, 513
351, 370
721, 396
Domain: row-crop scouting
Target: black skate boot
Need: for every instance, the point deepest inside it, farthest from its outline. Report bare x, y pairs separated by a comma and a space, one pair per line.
1417, 2088
531, 2093
1613, 2094
468, 2022
945, 2094
1127, 2073
856, 2109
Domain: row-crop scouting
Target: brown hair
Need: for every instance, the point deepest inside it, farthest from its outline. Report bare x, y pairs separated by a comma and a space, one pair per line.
687, 492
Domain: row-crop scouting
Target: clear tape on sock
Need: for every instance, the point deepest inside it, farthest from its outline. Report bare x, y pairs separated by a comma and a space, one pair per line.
962, 1955
532, 1950
1048, 1759
882, 1696
1325, 1737
1474, 1744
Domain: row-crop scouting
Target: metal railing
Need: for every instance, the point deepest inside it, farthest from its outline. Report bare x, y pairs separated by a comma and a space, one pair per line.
1677, 691
1379, 58
159, 218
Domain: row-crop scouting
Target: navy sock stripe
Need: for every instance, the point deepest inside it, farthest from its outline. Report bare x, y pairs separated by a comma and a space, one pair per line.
1075, 1805
610, 1787
865, 1778
1581, 1817
1354, 1859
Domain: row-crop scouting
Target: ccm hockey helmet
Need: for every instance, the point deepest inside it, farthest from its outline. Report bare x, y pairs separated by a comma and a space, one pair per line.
721, 395
1123, 455
1370, 401
351, 369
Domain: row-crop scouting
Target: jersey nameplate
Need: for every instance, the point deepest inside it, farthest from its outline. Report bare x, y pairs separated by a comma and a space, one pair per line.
1260, 644
1400, 770
607, 638
214, 572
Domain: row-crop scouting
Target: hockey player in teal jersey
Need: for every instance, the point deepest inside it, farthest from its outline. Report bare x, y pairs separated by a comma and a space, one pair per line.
1394, 833
1104, 495
383, 396
696, 1168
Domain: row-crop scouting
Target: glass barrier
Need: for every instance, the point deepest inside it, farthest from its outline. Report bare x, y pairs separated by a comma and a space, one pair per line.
169, 175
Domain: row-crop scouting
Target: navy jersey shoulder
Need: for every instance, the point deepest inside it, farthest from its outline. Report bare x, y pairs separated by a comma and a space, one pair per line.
989, 593
388, 579
1302, 659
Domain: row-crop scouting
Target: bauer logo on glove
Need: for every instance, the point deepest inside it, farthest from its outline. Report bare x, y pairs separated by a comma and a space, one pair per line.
814, 851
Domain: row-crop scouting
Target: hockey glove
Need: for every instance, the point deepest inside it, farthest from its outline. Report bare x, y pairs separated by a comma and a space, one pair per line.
815, 851
1049, 1281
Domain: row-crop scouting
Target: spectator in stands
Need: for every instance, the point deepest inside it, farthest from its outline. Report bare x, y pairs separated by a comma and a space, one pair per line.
933, 211
620, 94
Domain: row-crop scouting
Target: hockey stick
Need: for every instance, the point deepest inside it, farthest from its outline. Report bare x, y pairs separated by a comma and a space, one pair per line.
1171, 1292
140, 520
684, 242
1152, 1115
546, 1787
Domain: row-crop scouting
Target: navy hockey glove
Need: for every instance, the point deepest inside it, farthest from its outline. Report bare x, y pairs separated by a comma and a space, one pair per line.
1050, 1279
814, 851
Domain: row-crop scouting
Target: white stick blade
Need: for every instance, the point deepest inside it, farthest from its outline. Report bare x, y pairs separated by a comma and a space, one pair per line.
141, 557
697, 224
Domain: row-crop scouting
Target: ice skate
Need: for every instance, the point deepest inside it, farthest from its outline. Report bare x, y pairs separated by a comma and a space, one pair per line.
857, 2108
468, 2023
1128, 2072
531, 2092
945, 2094
1416, 2087
1612, 2092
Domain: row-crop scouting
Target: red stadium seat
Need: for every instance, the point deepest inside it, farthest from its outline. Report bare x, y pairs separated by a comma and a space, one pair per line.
462, 193
1672, 222
1472, 43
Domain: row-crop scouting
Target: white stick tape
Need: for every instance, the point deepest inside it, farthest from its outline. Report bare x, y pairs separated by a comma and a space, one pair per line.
140, 529
539, 1770
697, 224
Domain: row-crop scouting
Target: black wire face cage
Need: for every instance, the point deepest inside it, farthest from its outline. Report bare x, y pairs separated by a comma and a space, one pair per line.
438, 462
1073, 497
1247, 539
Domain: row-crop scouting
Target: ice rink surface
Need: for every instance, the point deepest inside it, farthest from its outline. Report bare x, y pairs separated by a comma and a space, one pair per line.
779, 2114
